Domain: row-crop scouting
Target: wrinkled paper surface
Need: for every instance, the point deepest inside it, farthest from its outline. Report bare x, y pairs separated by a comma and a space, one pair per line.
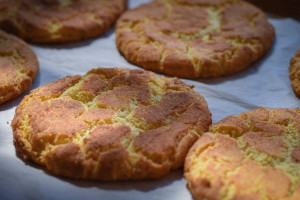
264, 84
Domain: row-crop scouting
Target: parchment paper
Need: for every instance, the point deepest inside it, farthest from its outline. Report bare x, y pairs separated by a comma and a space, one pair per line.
264, 84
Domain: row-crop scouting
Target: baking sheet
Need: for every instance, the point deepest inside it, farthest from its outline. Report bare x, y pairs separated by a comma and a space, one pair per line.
264, 84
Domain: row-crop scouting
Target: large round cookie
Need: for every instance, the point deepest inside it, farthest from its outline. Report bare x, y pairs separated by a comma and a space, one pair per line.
111, 124
18, 67
59, 20
295, 73
254, 156
194, 38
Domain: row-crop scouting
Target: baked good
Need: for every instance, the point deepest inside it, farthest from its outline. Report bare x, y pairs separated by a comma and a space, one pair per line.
215, 38
18, 67
45, 21
295, 73
255, 155
110, 124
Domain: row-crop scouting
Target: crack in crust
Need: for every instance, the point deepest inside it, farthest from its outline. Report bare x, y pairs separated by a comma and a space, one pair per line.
251, 156
295, 73
18, 67
216, 38
43, 21
110, 124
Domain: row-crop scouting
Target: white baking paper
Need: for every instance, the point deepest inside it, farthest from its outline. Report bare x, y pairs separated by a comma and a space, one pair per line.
263, 84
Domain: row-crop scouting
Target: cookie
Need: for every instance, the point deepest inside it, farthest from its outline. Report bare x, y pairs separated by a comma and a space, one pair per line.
215, 38
18, 67
110, 124
255, 155
45, 21
295, 73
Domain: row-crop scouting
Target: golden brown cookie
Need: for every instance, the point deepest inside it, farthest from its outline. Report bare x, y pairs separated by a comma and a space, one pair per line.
44, 21
255, 155
110, 124
194, 38
18, 67
295, 73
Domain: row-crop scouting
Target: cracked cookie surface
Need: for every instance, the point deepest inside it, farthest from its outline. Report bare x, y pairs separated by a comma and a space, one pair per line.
18, 67
194, 39
295, 73
255, 155
110, 124
44, 21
